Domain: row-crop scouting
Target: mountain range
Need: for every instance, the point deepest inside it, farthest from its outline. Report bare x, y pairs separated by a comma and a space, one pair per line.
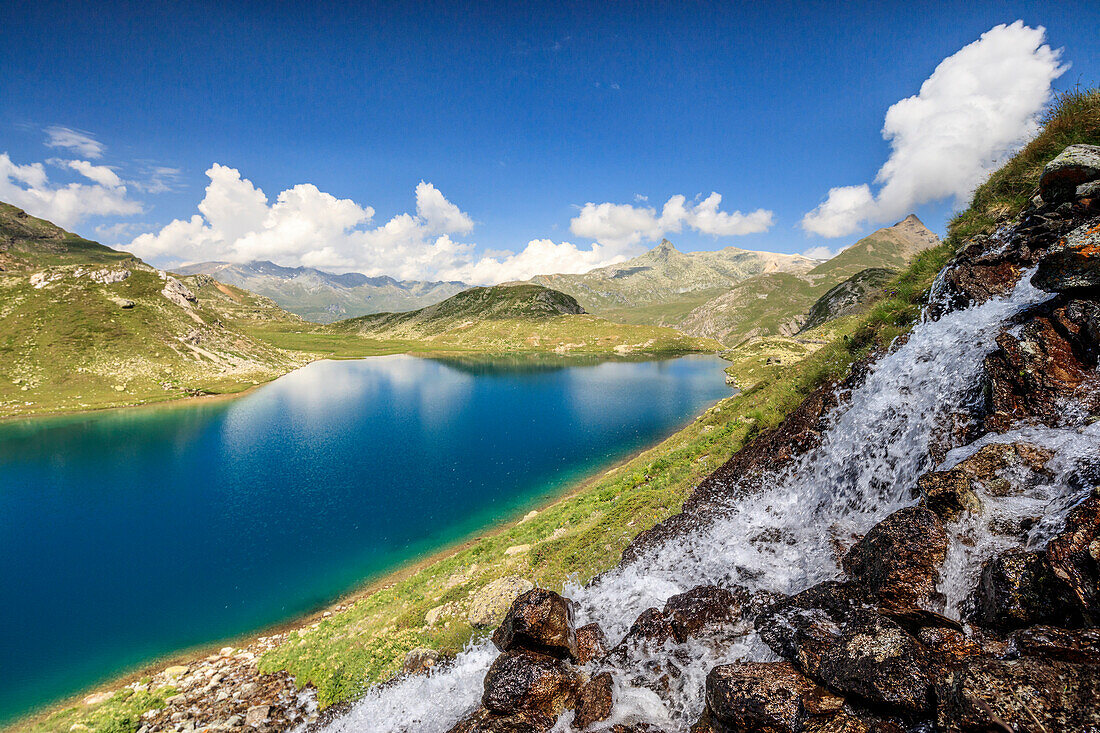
324, 297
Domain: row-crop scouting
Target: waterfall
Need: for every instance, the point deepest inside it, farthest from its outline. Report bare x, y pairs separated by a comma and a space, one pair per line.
784, 537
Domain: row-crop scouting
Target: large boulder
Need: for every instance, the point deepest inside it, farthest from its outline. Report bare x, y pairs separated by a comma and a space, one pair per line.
539, 620
837, 638
1017, 589
523, 681
1073, 265
491, 601
899, 558
1074, 557
1033, 695
1075, 165
771, 696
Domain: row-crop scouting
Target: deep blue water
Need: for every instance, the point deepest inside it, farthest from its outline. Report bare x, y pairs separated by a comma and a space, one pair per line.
130, 534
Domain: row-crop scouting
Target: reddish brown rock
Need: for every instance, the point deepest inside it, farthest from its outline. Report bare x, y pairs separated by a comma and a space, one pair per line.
486, 721
899, 558
595, 701
1074, 557
523, 681
591, 643
773, 696
704, 609
539, 620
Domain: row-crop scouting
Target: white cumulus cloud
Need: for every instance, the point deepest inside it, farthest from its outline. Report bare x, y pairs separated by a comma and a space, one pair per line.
78, 142
622, 225
29, 188
306, 226
975, 110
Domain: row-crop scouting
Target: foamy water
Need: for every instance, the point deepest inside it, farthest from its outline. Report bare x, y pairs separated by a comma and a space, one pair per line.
784, 536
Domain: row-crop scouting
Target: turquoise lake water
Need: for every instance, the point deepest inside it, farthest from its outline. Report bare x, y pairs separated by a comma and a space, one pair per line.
127, 535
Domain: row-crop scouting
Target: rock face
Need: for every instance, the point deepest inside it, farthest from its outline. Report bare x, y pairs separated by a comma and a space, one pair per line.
1074, 266
595, 701
523, 681
1017, 589
591, 643
1074, 166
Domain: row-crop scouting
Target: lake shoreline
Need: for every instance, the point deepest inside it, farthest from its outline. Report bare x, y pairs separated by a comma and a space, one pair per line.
387, 578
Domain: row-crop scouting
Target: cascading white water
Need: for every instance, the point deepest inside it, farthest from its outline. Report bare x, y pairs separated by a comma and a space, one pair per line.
784, 536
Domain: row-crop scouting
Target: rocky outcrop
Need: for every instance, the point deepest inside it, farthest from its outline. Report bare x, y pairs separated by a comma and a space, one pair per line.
1074, 558
177, 292
1074, 166
899, 558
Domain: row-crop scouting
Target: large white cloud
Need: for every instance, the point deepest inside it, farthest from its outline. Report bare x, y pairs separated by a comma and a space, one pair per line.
29, 188
622, 225
977, 108
306, 226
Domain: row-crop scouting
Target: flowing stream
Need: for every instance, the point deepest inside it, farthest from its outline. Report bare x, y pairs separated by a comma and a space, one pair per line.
784, 536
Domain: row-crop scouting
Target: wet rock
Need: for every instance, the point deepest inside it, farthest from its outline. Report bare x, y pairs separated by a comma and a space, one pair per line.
489, 604
1051, 642
1034, 376
949, 647
948, 494
899, 558
988, 466
1034, 695
1074, 557
523, 681
486, 721
751, 696
591, 643
1075, 165
419, 660
833, 635
1017, 589
595, 701
540, 620
652, 628
1072, 266
706, 608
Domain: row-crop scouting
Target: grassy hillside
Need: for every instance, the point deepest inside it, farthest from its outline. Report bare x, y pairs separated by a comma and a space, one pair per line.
779, 303
83, 326
516, 318
1074, 118
664, 284
324, 297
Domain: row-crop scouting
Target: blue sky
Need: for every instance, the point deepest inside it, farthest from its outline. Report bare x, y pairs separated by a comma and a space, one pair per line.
514, 117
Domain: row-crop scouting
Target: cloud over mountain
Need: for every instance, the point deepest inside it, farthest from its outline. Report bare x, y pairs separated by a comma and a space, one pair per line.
978, 107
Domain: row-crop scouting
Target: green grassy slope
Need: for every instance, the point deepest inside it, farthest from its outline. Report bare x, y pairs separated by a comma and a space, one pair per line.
516, 318
73, 338
662, 285
778, 303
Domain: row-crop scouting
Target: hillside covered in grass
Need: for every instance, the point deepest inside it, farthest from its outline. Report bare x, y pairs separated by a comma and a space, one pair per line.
516, 318
83, 326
